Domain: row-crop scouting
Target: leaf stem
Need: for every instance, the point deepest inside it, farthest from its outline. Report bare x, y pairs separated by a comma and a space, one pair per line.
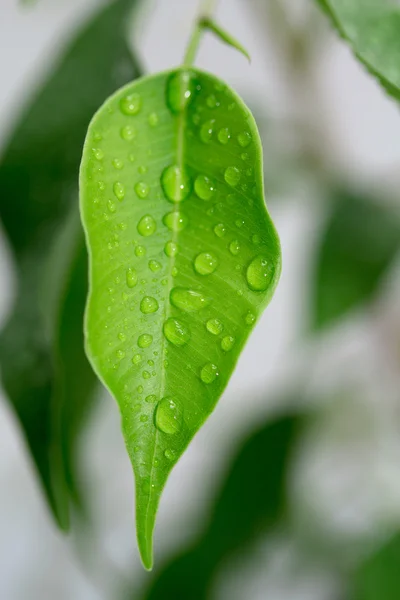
206, 10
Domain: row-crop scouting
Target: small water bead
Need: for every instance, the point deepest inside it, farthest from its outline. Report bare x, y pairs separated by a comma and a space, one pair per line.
232, 176
151, 398
209, 373
244, 139
206, 131
239, 223
170, 454
97, 136
120, 354
122, 336
224, 135
146, 226
144, 418
244, 156
174, 271
256, 239
153, 119
171, 249
145, 340
234, 247
132, 157
142, 190
118, 164
205, 263
212, 101
140, 251
98, 153
101, 185
146, 375
140, 389
156, 462
119, 190
150, 363
111, 206
176, 183
154, 265
220, 230
131, 278
227, 343
176, 332
180, 90
215, 326
130, 104
231, 106
175, 221
188, 300
169, 416
148, 305
128, 133
204, 187
259, 274
249, 318
142, 169
136, 359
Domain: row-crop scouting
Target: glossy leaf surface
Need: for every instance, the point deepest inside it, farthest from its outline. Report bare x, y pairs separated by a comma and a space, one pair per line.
379, 576
359, 243
372, 29
184, 258
44, 369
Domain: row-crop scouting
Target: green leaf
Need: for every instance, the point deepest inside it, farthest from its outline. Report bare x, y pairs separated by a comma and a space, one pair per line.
357, 248
224, 36
44, 370
251, 504
372, 29
379, 577
184, 258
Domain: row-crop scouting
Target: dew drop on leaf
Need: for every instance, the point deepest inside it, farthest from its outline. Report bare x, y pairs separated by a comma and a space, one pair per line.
169, 416
142, 189
249, 318
170, 454
131, 104
205, 263
136, 359
151, 398
111, 206
146, 226
118, 164
176, 183
171, 249
227, 343
140, 251
146, 375
175, 221
244, 139
119, 190
153, 119
131, 278
206, 131
259, 274
232, 176
220, 230
209, 373
128, 133
234, 247
224, 135
180, 89
188, 300
154, 265
204, 187
148, 305
98, 153
215, 326
145, 340
144, 418
176, 332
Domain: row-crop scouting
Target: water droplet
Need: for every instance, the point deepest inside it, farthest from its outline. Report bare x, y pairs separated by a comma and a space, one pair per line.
146, 226
259, 274
176, 183
169, 416
244, 156
249, 318
132, 157
175, 221
131, 104
118, 164
188, 300
153, 119
244, 139
97, 136
234, 247
170, 454
206, 131
205, 263
98, 153
227, 343
224, 135
151, 398
144, 418
209, 373
120, 354
128, 133
239, 223
171, 249
176, 332
119, 190
142, 189
111, 206
140, 389
215, 326
256, 239
145, 340
122, 336
146, 375
150, 363
232, 176
154, 265
101, 186
136, 359
140, 251
131, 278
204, 187
180, 89
220, 230
148, 305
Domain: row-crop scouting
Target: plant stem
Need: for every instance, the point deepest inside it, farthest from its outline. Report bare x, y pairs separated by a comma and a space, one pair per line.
206, 10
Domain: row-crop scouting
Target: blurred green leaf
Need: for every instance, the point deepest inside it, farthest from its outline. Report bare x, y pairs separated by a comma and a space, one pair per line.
379, 577
372, 29
251, 502
44, 370
357, 247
